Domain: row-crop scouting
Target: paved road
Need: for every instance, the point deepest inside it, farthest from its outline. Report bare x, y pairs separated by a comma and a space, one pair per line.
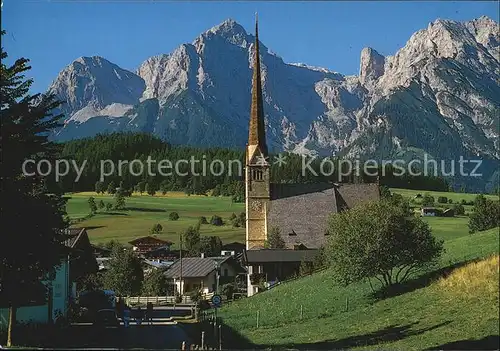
145, 336
163, 334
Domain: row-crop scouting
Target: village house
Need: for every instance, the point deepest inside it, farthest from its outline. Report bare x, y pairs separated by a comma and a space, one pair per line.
150, 243
203, 273
61, 290
269, 267
429, 212
232, 249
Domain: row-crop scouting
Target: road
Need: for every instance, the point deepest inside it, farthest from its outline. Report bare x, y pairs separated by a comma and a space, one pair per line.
163, 334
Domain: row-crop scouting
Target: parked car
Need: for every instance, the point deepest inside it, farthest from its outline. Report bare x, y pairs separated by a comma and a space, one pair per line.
106, 318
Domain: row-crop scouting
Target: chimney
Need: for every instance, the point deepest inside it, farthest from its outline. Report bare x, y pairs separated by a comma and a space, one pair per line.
202, 255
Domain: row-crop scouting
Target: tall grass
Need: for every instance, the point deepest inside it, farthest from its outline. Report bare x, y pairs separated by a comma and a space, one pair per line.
474, 279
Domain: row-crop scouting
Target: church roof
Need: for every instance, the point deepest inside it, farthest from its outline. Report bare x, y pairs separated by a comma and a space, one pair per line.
301, 211
257, 128
278, 255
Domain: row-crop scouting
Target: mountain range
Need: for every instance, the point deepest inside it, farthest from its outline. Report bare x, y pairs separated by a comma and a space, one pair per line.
439, 95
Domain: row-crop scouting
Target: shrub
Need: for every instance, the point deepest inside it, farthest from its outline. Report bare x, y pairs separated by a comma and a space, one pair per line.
178, 297
442, 199
111, 188
228, 290
202, 220
109, 206
195, 295
156, 229
458, 209
216, 220
385, 192
485, 214
427, 200
173, 216
92, 205
450, 201
119, 200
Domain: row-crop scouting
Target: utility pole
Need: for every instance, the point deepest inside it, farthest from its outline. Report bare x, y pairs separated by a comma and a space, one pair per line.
217, 293
181, 283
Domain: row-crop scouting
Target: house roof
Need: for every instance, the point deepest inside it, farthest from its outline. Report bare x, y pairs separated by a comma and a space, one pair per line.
193, 267
234, 246
149, 240
302, 210
158, 264
271, 255
73, 236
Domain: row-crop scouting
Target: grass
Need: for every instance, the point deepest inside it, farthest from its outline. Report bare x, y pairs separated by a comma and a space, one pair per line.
423, 316
143, 211
456, 197
467, 281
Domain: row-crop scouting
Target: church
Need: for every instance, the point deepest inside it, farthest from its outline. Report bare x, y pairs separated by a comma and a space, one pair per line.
299, 211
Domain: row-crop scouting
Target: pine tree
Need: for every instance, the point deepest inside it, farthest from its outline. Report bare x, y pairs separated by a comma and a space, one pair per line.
99, 187
25, 204
92, 205
275, 240
111, 188
119, 200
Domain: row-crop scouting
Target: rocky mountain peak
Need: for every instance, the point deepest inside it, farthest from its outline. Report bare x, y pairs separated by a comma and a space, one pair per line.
487, 32
94, 83
229, 30
371, 65
438, 94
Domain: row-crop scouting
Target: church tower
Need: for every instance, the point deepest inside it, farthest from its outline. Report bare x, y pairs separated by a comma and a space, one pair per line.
257, 172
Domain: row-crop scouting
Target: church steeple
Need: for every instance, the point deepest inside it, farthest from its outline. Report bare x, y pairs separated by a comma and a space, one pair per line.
257, 167
257, 129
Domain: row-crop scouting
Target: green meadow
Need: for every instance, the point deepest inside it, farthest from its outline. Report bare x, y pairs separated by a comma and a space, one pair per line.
143, 211
456, 197
428, 312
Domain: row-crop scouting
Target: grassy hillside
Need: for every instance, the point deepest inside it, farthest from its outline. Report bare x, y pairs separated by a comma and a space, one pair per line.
144, 211
426, 314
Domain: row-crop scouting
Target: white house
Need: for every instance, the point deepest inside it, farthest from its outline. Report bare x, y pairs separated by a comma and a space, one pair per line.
45, 311
201, 273
79, 262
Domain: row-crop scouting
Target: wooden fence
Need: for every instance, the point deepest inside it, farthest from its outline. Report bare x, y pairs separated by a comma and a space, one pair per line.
155, 300
161, 300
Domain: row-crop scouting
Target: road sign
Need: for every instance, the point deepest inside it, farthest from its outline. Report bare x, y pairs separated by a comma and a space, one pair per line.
217, 300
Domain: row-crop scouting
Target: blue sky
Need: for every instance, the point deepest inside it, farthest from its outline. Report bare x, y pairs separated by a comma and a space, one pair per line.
327, 34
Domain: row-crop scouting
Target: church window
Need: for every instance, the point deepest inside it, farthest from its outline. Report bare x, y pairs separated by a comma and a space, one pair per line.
257, 174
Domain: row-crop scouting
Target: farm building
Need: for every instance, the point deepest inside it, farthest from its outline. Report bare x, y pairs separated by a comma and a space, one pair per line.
429, 212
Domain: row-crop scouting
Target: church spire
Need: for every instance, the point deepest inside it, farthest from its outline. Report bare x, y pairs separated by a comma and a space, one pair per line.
257, 129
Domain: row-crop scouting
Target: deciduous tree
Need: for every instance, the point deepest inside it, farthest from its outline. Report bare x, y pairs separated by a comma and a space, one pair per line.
155, 283
378, 240
485, 214
125, 274
210, 246
191, 237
